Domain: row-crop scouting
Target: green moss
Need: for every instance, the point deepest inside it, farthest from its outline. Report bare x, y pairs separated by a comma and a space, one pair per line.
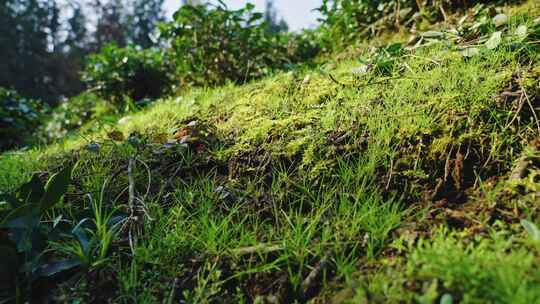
325, 164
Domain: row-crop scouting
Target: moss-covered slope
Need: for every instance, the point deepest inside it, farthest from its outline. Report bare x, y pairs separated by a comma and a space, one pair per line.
401, 177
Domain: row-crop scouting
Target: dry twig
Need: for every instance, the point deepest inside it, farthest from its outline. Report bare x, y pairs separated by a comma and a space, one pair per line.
533, 110
520, 106
261, 248
314, 274
131, 188
520, 169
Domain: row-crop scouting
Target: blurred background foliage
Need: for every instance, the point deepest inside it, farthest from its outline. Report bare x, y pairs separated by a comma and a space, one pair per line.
126, 54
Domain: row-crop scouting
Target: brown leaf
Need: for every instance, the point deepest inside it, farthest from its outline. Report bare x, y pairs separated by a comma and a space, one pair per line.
181, 133
115, 135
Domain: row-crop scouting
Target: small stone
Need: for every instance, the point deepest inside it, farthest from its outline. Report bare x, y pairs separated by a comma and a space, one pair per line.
93, 147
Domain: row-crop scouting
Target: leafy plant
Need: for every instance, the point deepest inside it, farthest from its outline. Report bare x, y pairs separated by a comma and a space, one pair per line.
303, 46
381, 62
74, 114
19, 116
492, 32
23, 236
91, 238
211, 45
343, 21
116, 73
384, 60
483, 271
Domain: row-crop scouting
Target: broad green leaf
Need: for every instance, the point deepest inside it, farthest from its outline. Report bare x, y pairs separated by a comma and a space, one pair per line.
81, 235
51, 269
255, 17
56, 187
22, 239
494, 40
25, 222
394, 49
532, 230
18, 218
32, 191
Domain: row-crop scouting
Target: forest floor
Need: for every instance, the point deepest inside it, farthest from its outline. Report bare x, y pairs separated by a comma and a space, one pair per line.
410, 176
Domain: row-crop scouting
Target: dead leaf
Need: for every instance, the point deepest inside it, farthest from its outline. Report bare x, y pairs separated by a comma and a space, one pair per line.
494, 40
181, 133
115, 135
500, 20
470, 52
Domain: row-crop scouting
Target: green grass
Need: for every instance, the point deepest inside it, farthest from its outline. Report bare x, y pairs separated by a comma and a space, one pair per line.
494, 268
481, 272
398, 184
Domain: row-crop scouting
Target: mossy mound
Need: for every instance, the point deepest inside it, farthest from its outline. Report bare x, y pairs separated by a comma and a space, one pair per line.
401, 177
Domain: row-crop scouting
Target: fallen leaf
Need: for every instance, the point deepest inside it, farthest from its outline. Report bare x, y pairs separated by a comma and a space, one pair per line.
115, 135
181, 133
470, 52
432, 34
124, 120
500, 20
192, 123
363, 69
521, 32
494, 40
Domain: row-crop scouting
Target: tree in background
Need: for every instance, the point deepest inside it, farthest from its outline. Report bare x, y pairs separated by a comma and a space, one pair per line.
112, 23
124, 22
76, 41
147, 14
44, 44
67, 62
275, 24
192, 2
28, 34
